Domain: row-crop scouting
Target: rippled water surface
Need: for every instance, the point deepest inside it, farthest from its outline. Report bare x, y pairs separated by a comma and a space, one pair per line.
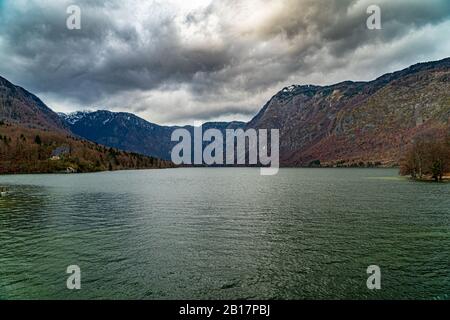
224, 233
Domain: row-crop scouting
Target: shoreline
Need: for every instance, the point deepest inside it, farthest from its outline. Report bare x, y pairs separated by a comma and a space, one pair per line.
445, 179
184, 167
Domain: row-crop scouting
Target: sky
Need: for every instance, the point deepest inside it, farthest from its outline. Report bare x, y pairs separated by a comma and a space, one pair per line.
180, 61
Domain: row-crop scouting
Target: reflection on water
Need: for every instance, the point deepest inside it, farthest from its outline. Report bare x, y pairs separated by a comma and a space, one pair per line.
224, 233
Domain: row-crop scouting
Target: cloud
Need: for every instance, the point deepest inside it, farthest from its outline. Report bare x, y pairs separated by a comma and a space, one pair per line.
175, 61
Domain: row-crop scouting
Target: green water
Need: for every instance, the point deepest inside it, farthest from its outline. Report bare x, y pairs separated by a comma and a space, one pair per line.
224, 234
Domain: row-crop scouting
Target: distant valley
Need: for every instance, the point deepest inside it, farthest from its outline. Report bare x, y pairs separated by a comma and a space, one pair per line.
346, 124
126, 131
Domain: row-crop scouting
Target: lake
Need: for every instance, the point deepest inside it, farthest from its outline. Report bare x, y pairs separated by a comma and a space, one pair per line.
224, 233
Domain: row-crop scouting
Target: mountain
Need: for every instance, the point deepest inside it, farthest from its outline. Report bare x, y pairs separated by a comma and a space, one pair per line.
34, 139
346, 124
121, 130
17, 105
129, 132
358, 123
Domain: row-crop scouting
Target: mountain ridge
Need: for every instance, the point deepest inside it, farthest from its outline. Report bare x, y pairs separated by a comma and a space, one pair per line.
129, 132
317, 123
346, 123
21, 106
295, 89
34, 139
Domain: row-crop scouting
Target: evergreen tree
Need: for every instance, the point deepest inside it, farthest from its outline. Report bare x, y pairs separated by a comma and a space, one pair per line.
38, 140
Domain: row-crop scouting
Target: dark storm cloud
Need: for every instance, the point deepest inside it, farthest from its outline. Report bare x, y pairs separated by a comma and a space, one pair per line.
102, 58
171, 62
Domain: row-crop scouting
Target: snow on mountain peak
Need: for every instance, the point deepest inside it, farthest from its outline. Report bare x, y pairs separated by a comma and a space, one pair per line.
76, 116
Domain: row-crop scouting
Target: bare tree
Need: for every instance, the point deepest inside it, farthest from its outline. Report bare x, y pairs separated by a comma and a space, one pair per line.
427, 156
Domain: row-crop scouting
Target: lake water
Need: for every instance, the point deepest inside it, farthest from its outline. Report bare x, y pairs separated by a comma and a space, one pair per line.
225, 234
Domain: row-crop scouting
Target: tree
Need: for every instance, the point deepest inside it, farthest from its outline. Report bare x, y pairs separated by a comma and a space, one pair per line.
38, 140
427, 156
315, 163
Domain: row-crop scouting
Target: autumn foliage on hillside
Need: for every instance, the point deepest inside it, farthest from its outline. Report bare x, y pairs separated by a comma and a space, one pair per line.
30, 150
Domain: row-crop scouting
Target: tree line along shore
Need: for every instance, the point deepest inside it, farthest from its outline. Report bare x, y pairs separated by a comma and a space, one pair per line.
35, 150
